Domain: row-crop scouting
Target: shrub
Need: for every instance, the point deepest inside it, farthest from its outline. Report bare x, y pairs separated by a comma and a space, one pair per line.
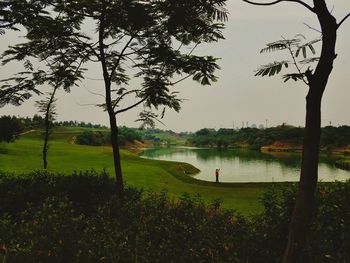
93, 138
79, 218
103, 138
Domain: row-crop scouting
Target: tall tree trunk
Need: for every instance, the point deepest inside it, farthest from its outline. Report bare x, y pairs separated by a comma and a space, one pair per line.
46, 139
308, 180
303, 210
116, 153
47, 126
110, 108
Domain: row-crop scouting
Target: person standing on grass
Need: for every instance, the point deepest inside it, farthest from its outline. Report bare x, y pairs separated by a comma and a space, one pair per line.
217, 174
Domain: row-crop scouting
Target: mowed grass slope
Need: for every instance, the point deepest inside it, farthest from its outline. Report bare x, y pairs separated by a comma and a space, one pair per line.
24, 155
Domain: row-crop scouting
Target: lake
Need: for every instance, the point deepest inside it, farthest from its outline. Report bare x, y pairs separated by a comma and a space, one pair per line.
245, 165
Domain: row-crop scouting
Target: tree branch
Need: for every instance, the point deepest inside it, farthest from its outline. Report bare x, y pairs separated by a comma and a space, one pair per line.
312, 28
180, 80
343, 20
296, 65
72, 11
295, 62
117, 100
264, 4
135, 50
119, 58
278, 1
94, 93
130, 107
116, 41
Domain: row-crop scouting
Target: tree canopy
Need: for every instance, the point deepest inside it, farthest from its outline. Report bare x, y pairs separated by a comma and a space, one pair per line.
151, 41
10, 128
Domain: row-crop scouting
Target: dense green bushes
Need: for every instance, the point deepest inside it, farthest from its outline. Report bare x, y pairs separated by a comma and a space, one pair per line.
78, 218
10, 128
93, 138
99, 138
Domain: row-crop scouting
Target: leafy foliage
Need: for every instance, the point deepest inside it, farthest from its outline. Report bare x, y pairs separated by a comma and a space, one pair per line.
294, 46
135, 34
92, 138
19, 12
272, 68
79, 218
280, 45
10, 128
293, 76
309, 45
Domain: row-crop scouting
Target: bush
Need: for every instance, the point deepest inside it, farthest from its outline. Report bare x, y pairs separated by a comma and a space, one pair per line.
79, 218
10, 128
93, 138
104, 138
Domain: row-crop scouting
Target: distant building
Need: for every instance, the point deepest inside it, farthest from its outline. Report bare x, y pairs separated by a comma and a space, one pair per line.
261, 126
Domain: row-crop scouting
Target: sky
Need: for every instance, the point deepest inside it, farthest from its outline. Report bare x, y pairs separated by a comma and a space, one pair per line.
238, 96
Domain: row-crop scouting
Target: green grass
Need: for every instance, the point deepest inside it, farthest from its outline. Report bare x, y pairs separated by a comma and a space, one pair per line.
24, 155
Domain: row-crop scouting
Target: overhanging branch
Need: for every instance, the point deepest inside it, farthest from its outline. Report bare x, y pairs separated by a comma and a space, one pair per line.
313, 28
270, 3
130, 107
119, 58
343, 20
116, 101
279, 1
180, 80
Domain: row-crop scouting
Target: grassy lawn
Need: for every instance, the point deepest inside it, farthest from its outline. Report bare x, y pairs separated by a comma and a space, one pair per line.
25, 155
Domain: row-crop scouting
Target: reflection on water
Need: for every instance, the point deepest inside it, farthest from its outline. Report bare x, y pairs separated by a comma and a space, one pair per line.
244, 165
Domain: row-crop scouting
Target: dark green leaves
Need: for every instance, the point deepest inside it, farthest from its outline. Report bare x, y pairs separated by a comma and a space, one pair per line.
19, 12
11, 127
307, 46
272, 68
294, 47
293, 76
147, 119
280, 45
202, 69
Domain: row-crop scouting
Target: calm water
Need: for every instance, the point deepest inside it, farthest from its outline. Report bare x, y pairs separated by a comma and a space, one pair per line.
245, 165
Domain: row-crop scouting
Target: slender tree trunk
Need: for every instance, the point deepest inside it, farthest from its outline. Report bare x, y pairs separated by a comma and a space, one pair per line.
110, 109
46, 139
116, 153
47, 127
303, 210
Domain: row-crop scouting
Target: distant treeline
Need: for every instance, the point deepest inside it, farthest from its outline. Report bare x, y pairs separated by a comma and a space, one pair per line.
37, 121
12, 126
255, 138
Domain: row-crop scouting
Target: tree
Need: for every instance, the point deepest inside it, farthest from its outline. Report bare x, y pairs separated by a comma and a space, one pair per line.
316, 80
54, 66
10, 128
48, 108
150, 37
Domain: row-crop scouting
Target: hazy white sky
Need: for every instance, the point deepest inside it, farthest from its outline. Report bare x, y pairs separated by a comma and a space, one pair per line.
238, 96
